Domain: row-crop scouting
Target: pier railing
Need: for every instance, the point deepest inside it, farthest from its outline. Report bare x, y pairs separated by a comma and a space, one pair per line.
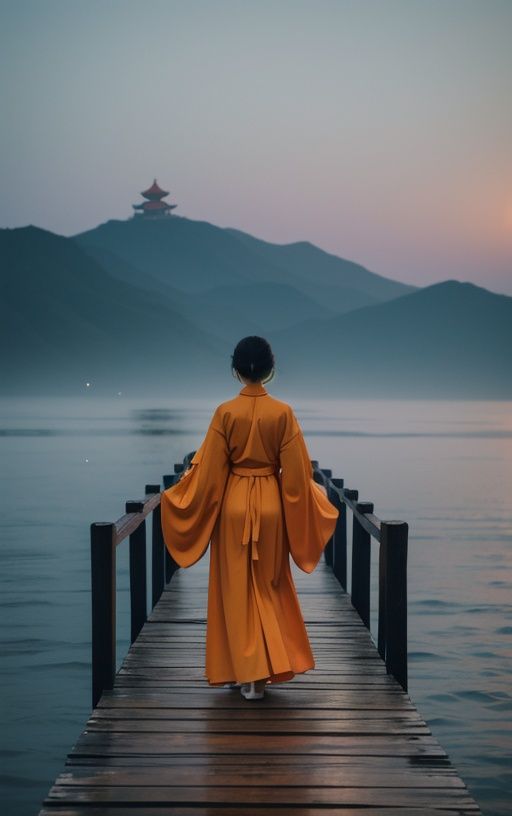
392, 593
392, 538
105, 538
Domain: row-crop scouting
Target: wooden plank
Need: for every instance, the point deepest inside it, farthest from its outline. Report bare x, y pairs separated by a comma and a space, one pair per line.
219, 810
382, 763
262, 726
291, 697
265, 796
289, 715
213, 775
96, 743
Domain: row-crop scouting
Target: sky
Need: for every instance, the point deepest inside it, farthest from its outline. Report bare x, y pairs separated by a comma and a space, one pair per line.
379, 130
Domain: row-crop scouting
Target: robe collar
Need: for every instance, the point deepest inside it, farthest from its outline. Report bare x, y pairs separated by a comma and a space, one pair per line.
253, 390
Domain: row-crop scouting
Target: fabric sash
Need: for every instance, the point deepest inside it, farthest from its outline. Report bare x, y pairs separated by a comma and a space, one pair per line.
253, 512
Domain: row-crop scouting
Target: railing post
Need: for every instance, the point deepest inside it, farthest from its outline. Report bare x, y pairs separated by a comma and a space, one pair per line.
170, 566
361, 553
351, 495
329, 547
157, 549
394, 535
340, 536
103, 602
138, 579
381, 626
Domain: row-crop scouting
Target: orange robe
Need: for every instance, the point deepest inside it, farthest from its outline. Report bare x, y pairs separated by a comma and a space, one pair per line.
250, 491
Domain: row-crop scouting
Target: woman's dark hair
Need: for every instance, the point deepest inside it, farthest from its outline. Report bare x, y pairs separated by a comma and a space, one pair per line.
253, 359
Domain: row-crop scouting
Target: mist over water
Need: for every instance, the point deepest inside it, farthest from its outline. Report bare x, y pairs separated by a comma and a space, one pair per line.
444, 467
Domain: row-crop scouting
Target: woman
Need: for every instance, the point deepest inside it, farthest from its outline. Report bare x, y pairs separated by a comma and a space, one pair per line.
250, 490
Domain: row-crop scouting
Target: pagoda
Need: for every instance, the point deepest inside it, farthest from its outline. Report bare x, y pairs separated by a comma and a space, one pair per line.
154, 207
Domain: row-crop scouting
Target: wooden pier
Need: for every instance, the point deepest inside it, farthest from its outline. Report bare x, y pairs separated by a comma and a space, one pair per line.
342, 737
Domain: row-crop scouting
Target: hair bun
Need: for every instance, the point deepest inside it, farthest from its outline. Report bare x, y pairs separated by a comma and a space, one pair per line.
253, 358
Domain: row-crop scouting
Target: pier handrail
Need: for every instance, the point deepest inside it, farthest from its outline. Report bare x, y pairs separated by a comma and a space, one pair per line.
392, 601
105, 538
392, 537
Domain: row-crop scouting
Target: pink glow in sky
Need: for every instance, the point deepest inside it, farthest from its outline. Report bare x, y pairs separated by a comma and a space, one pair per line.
380, 131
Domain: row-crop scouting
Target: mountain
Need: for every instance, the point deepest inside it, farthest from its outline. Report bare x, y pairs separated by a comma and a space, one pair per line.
65, 320
70, 315
228, 310
448, 340
313, 268
195, 256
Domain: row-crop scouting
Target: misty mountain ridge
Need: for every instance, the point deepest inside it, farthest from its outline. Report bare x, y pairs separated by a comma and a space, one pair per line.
125, 307
65, 320
449, 339
196, 256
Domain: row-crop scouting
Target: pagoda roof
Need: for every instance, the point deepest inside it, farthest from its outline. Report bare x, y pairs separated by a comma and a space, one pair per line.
154, 205
155, 190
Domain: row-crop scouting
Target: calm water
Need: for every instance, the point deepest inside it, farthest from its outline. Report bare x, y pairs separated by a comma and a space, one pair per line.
445, 467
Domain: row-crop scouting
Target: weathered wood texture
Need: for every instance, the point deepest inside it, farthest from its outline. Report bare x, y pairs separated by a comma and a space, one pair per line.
342, 737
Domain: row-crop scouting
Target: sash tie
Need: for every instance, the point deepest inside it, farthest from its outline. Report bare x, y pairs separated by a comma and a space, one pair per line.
253, 511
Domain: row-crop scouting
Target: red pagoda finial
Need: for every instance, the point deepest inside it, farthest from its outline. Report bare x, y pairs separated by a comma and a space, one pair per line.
154, 206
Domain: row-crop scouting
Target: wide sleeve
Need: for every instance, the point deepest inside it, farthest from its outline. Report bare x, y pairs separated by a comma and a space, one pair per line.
191, 506
309, 515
